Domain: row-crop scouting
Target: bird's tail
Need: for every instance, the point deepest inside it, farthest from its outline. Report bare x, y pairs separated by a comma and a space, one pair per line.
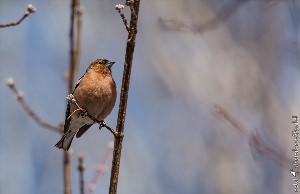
65, 141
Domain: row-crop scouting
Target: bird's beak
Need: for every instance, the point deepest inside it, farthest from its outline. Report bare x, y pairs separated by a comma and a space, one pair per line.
109, 64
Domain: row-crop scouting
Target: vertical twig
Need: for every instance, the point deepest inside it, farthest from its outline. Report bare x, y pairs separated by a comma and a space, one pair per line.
78, 36
74, 56
67, 181
81, 170
74, 41
72, 46
123, 98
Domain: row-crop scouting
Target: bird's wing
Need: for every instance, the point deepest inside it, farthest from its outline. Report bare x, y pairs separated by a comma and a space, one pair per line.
68, 121
82, 130
78, 82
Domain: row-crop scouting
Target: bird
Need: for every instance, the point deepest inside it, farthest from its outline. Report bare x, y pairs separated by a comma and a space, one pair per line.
92, 99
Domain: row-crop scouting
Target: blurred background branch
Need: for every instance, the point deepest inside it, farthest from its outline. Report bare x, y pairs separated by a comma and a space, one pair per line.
75, 39
30, 9
223, 15
75, 36
11, 84
81, 172
101, 167
258, 146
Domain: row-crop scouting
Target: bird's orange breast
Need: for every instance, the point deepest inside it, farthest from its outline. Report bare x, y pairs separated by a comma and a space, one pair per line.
97, 94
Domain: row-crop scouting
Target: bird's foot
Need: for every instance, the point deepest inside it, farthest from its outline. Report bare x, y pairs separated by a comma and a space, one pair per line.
102, 124
83, 113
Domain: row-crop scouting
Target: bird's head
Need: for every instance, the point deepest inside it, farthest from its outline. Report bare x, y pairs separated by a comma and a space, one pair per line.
101, 66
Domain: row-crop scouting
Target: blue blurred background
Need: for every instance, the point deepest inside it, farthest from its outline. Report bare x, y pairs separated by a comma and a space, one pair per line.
248, 63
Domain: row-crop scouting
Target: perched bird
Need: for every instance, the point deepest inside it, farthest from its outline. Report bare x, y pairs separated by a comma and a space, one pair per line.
95, 93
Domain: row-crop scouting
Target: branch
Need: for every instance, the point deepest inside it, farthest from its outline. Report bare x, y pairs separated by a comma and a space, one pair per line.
226, 12
66, 171
30, 9
130, 4
11, 84
172, 25
74, 58
81, 170
124, 95
75, 40
256, 143
101, 168
223, 15
120, 8
241, 129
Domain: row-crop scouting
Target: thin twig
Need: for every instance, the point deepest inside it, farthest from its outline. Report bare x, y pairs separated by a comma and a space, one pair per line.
257, 144
101, 167
78, 34
120, 8
75, 41
67, 171
72, 45
81, 171
74, 56
30, 9
115, 133
130, 4
10, 83
123, 98
241, 129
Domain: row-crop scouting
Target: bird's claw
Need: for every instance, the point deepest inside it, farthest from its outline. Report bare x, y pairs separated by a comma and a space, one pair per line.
83, 113
101, 124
